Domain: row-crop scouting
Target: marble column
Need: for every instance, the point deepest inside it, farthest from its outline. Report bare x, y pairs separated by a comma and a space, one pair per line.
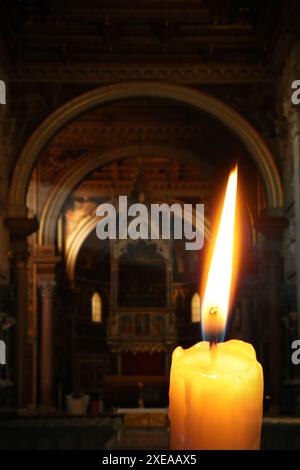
47, 290
22, 325
4, 265
20, 229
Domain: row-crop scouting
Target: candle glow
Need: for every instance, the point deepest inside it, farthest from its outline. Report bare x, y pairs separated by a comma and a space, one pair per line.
216, 393
215, 304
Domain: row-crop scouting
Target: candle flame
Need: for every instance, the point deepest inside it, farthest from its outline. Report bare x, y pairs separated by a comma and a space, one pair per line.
216, 298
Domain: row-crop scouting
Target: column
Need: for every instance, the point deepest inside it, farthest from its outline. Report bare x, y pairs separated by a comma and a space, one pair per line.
20, 229
295, 138
4, 271
21, 329
272, 228
47, 290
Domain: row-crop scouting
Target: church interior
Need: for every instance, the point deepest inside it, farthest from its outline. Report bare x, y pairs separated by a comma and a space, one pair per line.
157, 101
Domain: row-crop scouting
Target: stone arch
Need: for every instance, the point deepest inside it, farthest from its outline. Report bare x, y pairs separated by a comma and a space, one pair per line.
200, 100
72, 177
86, 227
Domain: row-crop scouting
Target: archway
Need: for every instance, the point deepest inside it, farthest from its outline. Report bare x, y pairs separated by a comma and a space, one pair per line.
69, 179
83, 231
255, 145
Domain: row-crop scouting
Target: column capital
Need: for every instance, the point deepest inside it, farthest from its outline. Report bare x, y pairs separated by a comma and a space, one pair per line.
47, 289
271, 227
21, 227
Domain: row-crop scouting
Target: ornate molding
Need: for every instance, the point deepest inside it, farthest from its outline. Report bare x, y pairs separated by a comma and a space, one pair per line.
156, 333
108, 73
81, 134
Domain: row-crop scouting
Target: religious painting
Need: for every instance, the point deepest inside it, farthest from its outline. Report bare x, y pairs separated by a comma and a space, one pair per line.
142, 325
142, 277
126, 325
158, 325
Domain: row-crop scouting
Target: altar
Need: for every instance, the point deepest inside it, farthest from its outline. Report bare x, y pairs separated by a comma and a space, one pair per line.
141, 325
143, 428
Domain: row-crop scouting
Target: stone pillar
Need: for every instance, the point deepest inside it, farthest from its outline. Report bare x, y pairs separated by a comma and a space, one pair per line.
7, 144
22, 325
291, 151
295, 138
44, 262
20, 229
272, 228
47, 290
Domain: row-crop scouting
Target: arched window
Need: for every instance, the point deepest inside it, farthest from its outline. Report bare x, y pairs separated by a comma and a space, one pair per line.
195, 308
96, 308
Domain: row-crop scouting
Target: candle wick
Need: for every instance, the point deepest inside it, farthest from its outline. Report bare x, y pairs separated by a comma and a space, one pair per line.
213, 317
213, 310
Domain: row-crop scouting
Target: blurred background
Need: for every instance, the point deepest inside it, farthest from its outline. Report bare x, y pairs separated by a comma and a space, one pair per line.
155, 100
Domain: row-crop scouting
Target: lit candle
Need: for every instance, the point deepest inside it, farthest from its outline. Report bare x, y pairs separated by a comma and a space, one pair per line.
216, 389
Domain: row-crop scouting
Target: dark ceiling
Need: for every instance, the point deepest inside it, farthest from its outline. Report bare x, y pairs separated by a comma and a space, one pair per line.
219, 31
